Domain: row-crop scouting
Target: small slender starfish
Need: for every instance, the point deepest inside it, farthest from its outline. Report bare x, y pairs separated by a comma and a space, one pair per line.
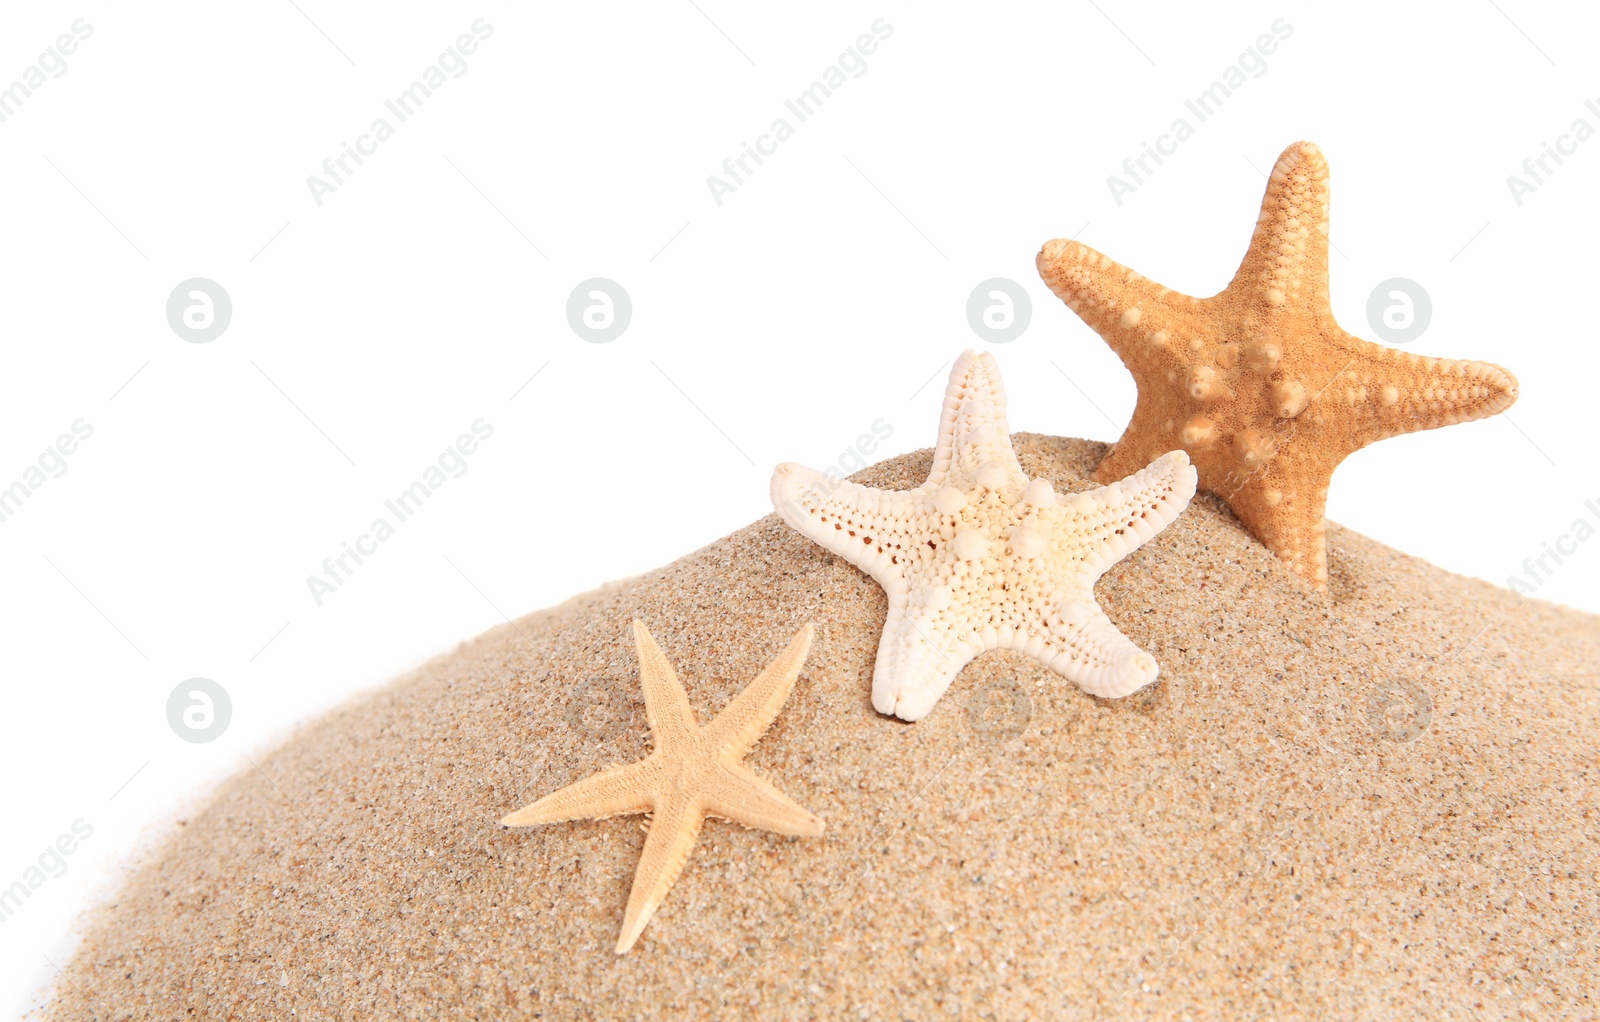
979, 557
693, 773
1258, 383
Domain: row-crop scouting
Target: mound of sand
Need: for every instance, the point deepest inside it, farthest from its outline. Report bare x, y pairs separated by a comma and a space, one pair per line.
1377, 802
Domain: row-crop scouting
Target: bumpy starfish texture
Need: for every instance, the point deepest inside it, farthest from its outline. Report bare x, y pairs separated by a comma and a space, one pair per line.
694, 772
1258, 383
979, 557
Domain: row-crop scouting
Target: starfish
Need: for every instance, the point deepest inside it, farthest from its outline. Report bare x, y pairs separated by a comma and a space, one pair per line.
979, 557
1258, 383
693, 773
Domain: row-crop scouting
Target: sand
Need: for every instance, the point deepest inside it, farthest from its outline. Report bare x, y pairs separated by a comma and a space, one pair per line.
1377, 802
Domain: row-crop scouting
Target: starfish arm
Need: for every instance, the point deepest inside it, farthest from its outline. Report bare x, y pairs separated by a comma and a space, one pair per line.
1142, 321
748, 715
1283, 506
919, 654
1286, 266
1119, 518
1384, 392
1141, 442
666, 705
868, 527
673, 830
973, 433
1087, 649
623, 789
734, 792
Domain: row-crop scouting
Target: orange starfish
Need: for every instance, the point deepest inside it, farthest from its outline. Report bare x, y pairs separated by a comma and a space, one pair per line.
1258, 384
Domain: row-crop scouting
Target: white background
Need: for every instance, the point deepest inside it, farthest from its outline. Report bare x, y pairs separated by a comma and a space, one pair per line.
822, 295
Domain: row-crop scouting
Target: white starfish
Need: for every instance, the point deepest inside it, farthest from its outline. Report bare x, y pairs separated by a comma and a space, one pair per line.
979, 557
